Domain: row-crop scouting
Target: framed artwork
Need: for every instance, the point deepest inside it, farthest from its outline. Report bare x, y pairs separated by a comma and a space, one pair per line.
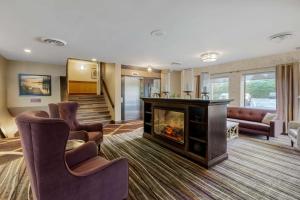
34, 85
94, 73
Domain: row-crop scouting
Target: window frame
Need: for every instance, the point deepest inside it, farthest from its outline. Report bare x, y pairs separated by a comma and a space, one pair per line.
219, 77
244, 88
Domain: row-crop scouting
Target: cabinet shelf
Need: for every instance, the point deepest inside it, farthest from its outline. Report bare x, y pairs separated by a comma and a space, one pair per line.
198, 139
198, 123
148, 123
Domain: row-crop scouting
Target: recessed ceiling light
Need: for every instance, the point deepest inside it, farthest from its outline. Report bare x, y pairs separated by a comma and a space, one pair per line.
279, 37
27, 50
94, 59
209, 56
158, 33
149, 69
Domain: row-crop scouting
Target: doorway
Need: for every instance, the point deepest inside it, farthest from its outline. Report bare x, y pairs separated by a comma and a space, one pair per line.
133, 88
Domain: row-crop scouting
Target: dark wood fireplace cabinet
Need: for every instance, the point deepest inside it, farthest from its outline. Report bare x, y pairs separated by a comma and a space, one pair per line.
193, 128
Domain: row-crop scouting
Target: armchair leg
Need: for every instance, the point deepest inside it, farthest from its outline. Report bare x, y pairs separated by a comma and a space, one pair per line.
292, 143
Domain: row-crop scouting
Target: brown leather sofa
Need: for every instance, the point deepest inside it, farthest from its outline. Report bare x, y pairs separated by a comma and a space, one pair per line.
250, 121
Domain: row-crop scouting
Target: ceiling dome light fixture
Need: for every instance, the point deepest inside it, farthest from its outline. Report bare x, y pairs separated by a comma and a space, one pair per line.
149, 69
209, 56
94, 59
54, 41
27, 51
158, 33
82, 67
279, 37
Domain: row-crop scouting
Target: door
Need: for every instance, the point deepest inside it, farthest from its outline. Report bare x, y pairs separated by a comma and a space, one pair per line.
131, 98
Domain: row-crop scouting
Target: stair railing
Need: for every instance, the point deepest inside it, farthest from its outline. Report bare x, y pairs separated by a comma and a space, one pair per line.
107, 93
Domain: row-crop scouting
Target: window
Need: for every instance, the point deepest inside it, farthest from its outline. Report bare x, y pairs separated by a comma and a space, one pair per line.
260, 90
219, 88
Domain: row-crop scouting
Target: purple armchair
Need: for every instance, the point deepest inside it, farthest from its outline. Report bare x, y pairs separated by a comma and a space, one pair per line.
75, 175
67, 111
78, 135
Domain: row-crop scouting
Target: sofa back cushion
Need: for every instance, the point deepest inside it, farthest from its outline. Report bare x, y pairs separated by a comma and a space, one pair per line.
249, 114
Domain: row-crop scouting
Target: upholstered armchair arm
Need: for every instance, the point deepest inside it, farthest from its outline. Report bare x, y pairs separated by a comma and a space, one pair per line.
79, 135
91, 127
293, 125
117, 165
80, 154
276, 127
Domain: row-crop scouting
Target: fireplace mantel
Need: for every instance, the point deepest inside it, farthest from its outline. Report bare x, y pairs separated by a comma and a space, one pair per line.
203, 125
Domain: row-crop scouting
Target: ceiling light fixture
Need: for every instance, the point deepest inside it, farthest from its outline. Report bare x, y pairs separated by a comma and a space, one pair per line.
94, 59
82, 67
149, 69
158, 33
27, 51
209, 56
53, 41
279, 37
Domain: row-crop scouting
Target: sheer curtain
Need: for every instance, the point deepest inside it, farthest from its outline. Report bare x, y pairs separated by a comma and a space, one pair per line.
287, 84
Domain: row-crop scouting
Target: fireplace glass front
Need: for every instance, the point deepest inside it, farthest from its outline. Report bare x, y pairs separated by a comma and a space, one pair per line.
169, 124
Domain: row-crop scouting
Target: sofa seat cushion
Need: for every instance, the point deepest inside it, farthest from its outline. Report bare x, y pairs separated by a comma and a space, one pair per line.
251, 124
90, 165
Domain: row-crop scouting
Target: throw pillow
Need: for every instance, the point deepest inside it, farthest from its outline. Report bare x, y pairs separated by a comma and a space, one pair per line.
268, 118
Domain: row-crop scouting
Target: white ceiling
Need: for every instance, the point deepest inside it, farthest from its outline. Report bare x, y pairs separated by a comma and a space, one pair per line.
119, 30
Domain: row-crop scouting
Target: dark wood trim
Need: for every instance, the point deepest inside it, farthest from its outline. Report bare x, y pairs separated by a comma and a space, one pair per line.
139, 68
107, 93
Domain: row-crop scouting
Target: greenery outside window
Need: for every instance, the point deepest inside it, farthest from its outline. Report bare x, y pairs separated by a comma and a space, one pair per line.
260, 90
219, 88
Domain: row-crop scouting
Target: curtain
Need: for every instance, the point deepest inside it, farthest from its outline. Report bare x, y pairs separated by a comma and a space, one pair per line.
197, 92
287, 84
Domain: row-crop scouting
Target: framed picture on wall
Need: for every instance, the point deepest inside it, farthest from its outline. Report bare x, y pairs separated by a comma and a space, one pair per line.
94, 73
34, 85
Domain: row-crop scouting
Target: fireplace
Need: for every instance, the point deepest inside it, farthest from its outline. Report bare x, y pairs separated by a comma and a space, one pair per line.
169, 124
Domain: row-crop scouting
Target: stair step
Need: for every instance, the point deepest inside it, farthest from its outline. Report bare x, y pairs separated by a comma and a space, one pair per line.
93, 113
91, 103
92, 106
104, 122
93, 117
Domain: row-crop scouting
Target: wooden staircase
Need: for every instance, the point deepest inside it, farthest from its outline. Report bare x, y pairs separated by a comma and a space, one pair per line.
92, 109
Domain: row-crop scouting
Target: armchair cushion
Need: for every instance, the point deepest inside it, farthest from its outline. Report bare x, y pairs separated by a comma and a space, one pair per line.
80, 154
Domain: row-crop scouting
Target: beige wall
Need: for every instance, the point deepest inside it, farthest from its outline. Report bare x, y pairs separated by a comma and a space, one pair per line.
235, 71
76, 74
16, 67
112, 78
7, 124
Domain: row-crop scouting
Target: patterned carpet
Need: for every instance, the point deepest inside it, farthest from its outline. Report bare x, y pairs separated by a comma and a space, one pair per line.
256, 169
